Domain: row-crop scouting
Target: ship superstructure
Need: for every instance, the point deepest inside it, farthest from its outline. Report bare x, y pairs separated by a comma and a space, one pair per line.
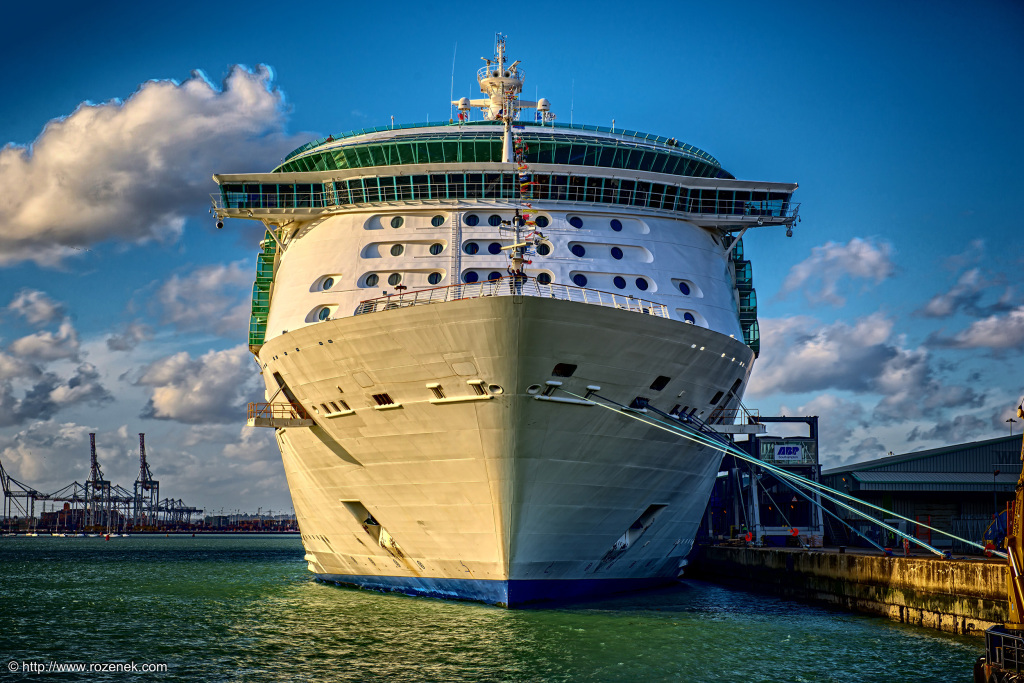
434, 301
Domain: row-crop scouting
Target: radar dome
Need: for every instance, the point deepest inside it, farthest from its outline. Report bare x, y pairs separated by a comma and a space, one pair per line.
543, 104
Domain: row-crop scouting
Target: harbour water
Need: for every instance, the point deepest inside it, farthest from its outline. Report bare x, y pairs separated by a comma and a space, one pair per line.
234, 608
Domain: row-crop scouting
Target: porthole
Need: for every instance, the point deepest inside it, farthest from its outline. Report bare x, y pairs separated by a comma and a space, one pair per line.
641, 284
434, 278
494, 275
616, 253
324, 314
543, 279
580, 279
397, 222
394, 279
471, 248
328, 283
494, 248
688, 317
437, 221
616, 225
619, 282
576, 222
472, 219
542, 221
470, 276
397, 249
495, 389
436, 248
533, 389
685, 289
372, 280
543, 249
578, 250
494, 220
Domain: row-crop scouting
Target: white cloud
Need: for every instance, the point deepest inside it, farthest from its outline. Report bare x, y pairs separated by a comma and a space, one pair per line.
48, 346
133, 170
800, 355
996, 332
966, 295
958, 430
47, 451
210, 389
209, 298
819, 274
36, 307
129, 337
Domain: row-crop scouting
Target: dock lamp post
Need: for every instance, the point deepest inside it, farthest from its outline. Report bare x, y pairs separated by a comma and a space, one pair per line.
1011, 421
995, 503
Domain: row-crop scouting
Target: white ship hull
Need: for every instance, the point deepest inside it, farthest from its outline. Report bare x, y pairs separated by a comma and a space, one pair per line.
507, 496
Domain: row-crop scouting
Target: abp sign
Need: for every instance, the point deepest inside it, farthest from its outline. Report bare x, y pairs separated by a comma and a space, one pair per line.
788, 452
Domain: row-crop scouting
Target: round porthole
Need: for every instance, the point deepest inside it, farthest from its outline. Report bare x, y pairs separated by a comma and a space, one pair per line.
397, 222
533, 389
494, 220
542, 221
436, 248
578, 250
324, 314
641, 284
471, 248
472, 219
688, 317
616, 225
397, 249
494, 248
394, 279
576, 222
580, 279
495, 389
372, 280
619, 282
434, 278
494, 275
685, 289
543, 249
543, 279
328, 283
616, 253
437, 221
470, 276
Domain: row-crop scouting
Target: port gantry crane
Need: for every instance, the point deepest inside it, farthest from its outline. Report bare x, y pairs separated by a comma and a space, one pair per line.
1003, 661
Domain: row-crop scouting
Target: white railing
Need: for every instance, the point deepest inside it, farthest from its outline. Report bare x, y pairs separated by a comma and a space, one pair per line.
512, 286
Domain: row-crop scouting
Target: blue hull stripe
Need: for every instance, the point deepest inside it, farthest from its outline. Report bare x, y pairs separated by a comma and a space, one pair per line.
505, 593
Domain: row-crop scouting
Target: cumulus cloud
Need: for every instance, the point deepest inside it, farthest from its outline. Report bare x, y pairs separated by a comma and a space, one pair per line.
966, 295
210, 389
36, 307
958, 430
209, 298
129, 337
819, 275
47, 393
838, 418
801, 355
134, 169
48, 346
996, 332
47, 451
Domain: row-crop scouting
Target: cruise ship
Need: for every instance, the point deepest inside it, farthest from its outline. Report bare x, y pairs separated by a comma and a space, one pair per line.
435, 307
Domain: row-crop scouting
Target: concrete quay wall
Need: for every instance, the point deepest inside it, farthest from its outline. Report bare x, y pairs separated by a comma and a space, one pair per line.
959, 596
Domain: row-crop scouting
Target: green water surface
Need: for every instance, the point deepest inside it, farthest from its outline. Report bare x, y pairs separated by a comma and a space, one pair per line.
244, 608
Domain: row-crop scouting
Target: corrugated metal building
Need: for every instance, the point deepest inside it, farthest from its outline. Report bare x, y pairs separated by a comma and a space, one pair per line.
953, 488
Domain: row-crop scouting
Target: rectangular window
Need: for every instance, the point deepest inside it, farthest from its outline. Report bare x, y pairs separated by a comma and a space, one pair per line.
438, 187
436, 390
403, 187
420, 190
474, 185
383, 399
559, 186
478, 386
625, 192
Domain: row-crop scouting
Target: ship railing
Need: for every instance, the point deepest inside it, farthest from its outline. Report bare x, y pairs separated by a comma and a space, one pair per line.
491, 71
286, 411
776, 208
730, 416
512, 286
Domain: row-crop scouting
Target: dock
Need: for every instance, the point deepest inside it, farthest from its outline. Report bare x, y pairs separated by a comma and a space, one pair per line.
961, 595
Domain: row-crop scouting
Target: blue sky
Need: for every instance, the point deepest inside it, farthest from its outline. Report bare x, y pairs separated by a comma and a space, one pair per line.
894, 312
